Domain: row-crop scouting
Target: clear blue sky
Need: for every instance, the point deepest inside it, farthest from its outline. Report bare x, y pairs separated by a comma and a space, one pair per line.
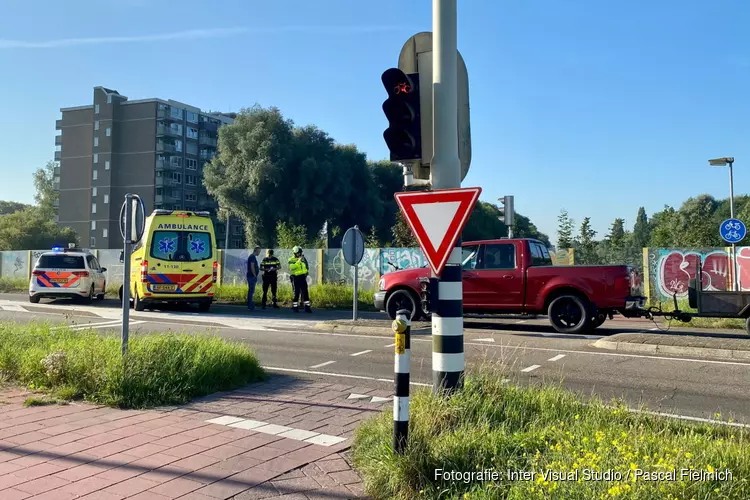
591, 105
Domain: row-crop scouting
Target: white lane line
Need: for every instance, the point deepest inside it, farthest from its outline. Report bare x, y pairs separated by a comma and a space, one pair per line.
531, 368
278, 430
687, 417
341, 375
361, 352
390, 345
321, 365
81, 326
653, 329
13, 307
557, 358
521, 321
94, 326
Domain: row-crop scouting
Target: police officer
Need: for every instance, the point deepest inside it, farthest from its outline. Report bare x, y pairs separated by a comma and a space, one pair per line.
298, 269
270, 266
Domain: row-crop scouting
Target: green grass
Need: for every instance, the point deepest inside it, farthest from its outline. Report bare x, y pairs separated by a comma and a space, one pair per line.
491, 425
723, 323
34, 401
161, 369
325, 296
13, 285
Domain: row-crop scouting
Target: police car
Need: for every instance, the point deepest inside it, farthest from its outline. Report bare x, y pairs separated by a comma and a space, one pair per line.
67, 273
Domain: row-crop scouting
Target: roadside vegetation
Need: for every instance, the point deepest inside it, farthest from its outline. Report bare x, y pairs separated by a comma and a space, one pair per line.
12, 285
717, 323
324, 296
497, 426
164, 368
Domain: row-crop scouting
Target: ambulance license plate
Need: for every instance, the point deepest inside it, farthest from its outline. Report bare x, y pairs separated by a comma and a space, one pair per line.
164, 288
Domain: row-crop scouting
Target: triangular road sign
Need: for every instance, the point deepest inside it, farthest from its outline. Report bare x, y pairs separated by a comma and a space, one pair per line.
437, 218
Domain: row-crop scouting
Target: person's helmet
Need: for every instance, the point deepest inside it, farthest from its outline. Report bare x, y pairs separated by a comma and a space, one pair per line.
296, 250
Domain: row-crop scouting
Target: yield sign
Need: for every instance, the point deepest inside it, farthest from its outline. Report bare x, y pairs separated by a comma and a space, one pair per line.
437, 218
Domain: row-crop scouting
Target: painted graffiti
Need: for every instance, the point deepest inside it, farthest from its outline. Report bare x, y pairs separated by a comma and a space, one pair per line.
234, 271
675, 268
338, 271
402, 258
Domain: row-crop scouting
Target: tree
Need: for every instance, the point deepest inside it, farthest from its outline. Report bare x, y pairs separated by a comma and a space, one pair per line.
46, 195
402, 234
268, 170
663, 228
372, 240
32, 228
564, 230
9, 207
587, 252
524, 228
484, 223
388, 180
289, 236
641, 229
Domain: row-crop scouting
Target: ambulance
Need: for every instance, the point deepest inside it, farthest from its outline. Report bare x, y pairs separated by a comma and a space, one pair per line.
175, 261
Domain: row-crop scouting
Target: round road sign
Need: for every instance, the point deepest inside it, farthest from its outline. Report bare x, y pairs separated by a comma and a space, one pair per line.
353, 246
733, 230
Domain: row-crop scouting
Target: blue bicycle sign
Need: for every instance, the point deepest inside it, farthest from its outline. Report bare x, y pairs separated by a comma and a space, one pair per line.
733, 230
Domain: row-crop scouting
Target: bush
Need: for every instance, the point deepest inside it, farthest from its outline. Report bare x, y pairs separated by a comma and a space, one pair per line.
491, 425
325, 296
161, 369
13, 285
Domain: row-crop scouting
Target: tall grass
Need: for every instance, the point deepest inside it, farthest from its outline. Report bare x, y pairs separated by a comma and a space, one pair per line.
161, 368
323, 296
491, 425
13, 285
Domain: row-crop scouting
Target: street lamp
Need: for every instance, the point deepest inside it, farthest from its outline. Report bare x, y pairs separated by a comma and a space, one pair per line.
723, 162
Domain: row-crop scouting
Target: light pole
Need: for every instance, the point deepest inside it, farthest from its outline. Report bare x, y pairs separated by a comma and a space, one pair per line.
723, 162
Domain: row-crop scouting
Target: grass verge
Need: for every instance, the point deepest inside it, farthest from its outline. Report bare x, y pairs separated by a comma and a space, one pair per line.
324, 296
501, 427
719, 323
13, 285
161, 369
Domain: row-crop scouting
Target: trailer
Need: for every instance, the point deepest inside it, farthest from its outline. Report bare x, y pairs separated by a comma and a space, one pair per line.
707, 303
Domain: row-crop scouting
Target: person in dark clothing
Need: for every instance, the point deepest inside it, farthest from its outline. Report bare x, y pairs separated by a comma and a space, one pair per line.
270, 267
252, 276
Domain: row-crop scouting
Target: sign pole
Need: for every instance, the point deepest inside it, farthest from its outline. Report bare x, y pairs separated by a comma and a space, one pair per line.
736, 280
128, 238
445, 173
356, 292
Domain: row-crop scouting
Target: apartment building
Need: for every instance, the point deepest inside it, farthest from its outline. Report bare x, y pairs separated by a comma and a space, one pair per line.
154, 148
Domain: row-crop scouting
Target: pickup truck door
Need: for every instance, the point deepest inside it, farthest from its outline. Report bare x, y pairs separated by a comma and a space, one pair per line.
470, 259
498, 281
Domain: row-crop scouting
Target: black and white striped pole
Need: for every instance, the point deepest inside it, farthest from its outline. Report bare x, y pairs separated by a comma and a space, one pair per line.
448, 327
402, 331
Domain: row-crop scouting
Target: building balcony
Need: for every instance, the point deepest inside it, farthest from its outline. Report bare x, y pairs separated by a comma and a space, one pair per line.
162, 165
56, 171
166, 182
58, 124
56, 186
209, 126
162, 130
206, 140
165, 198
166, 147
166, 114
207, 155
58, 155
58, 140
56, 203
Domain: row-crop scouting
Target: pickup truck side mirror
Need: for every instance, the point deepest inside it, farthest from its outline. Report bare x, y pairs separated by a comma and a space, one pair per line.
122, 256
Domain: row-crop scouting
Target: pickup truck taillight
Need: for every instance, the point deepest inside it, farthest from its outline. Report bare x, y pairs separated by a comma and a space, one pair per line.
144, 271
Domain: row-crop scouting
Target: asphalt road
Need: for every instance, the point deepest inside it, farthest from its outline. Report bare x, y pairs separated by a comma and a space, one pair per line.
527, 351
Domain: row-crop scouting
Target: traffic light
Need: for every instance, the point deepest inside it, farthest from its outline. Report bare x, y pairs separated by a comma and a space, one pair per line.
404, 133
429, 294
507, 213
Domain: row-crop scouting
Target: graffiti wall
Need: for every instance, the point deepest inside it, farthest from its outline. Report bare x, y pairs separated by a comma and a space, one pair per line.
669, 270
234, 267
402, 258
338, 271
15, 265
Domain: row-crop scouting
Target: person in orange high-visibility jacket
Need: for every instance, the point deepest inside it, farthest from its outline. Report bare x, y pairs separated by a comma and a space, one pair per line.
298, 270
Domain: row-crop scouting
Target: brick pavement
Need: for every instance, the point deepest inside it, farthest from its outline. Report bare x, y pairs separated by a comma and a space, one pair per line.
62, 452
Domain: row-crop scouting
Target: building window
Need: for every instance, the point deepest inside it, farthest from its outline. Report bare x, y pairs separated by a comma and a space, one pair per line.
190, 180
191, 148
93, 191
94, 175
175, 161
192, 133
106, 198
96, 125
96, 109
108, 131
191, 164
109, 98
176, 128
106, 165
190, 197
96, 141
105, 233
237, 244
177, 176
93, 225
178, 146
92, 242
93, 208
96, 157
192, 117
176, 113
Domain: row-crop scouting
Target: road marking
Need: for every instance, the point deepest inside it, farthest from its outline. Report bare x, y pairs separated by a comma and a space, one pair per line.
86, 325
321, 365
653, 329
390, 345
531, 368
378, 399
485, 340
278, 430
361, 352
13, 307
557, 358
109, 324
522, 321
342, 375
688, 417
357, 396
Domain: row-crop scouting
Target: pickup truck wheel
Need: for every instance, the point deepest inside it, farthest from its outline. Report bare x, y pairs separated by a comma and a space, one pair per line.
598, 320
402, 299
569, 314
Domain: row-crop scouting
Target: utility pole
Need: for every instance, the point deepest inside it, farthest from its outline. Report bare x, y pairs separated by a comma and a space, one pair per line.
736, 287
445, 173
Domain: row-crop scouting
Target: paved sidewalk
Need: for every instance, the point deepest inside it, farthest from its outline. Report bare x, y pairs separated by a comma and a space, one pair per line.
714, 345
286, 438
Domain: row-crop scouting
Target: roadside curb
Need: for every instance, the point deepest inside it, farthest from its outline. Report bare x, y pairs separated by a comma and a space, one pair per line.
732, 354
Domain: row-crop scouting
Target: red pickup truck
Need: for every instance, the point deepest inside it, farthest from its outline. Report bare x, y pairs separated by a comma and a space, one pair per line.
516, 276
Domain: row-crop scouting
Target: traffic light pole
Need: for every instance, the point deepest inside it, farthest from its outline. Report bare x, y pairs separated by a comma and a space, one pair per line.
445, 173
